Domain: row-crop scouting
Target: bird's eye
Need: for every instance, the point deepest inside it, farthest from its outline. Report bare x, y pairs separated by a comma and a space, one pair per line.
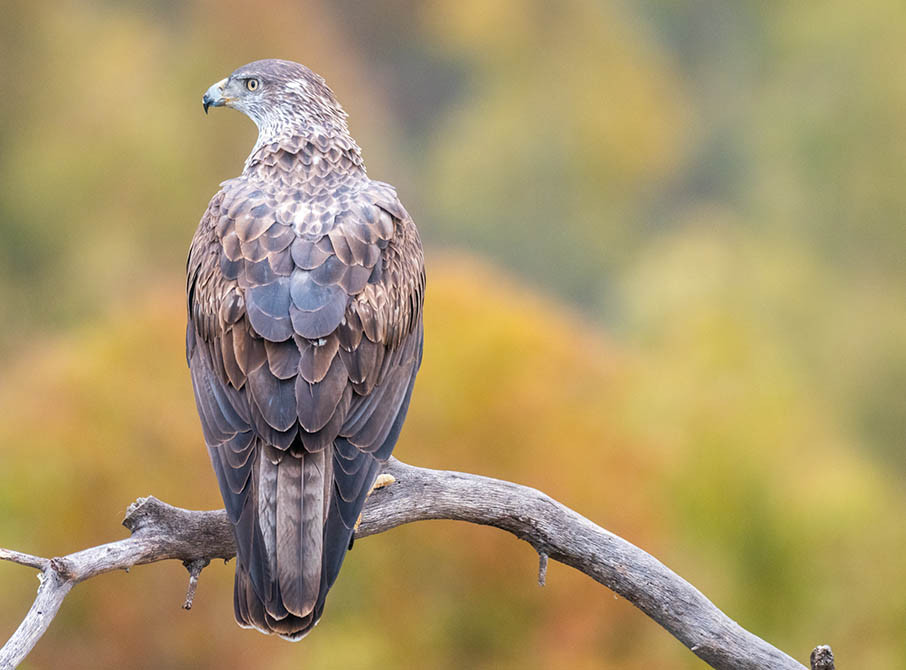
251, 84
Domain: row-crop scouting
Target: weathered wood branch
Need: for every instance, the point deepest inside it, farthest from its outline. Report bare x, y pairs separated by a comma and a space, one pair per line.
161, 531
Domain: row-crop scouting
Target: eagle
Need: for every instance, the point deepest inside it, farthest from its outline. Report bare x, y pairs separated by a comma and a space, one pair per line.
305, 285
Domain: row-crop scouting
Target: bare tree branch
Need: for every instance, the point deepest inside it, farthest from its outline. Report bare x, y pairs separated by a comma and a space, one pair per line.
194, 567
23, 559
160, 531
822, 658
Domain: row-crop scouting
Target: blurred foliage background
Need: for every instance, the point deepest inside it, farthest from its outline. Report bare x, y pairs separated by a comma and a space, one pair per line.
667, 276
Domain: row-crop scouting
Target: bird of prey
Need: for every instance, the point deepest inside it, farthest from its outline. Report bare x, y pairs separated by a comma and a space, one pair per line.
305, 283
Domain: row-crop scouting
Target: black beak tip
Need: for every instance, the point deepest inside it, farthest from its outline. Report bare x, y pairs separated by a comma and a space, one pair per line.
205, 102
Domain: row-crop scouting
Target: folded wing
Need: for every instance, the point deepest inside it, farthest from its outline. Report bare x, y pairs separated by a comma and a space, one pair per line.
303, 343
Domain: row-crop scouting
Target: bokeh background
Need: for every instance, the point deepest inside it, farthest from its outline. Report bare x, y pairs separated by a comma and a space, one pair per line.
667, 276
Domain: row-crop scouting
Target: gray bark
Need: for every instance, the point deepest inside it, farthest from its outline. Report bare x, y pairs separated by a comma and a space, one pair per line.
161, 531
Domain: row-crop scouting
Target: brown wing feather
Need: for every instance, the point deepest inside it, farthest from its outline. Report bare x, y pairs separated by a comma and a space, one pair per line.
297, 343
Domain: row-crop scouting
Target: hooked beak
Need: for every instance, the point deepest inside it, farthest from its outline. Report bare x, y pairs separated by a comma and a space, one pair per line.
213, 97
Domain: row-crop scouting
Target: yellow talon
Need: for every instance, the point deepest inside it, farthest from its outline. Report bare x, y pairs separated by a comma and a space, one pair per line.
382, 480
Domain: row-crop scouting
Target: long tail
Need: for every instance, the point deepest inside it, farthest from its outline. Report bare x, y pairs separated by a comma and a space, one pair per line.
294, 540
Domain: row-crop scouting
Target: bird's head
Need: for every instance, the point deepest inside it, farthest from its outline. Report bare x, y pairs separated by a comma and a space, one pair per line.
281, 97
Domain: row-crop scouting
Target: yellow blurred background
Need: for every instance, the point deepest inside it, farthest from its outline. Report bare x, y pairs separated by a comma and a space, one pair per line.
666, 259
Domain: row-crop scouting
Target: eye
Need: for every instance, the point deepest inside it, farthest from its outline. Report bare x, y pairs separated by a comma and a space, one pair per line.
252, 84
